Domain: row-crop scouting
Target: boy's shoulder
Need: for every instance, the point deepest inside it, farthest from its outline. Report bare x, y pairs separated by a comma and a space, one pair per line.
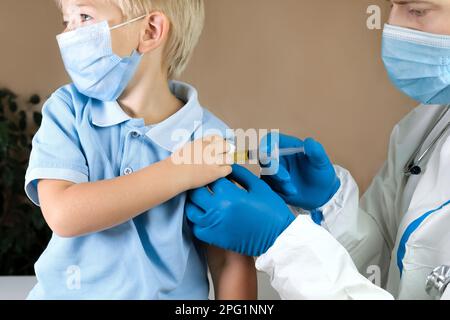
211, 120
65, 99
212, 125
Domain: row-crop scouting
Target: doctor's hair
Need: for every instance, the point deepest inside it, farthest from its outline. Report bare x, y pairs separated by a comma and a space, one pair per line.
187, 18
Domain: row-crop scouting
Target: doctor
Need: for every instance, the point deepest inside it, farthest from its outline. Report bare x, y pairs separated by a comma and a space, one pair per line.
397, 234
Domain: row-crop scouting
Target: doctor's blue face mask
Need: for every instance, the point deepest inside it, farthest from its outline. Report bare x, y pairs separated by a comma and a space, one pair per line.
418, 63
89, 59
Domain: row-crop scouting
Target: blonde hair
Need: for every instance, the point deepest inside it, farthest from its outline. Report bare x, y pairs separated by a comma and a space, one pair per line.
186, 18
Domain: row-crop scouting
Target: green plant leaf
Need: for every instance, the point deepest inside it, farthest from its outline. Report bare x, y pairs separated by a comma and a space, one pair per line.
37, 118
8, 178
4, 135
23, 231
35, 99
7, 93
12, 106
22, 120
13, 127
23, 140
14, 139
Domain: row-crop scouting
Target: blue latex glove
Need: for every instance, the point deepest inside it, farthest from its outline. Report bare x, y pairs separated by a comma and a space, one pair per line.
246, 221
306, 181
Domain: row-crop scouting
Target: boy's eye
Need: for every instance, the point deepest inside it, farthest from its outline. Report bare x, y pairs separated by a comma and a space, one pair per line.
85, 17
82, 19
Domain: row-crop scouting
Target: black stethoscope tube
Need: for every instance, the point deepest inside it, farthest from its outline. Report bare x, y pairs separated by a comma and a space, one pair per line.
413, 166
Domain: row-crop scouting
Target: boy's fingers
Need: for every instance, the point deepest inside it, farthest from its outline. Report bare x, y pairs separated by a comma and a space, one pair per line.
217, 153
225, 171
220, 146
212, 138
225, 159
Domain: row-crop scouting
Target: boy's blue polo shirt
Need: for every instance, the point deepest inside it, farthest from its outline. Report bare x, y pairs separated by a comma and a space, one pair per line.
153, 256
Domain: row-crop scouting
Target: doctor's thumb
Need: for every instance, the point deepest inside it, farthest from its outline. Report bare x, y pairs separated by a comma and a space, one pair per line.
316, 153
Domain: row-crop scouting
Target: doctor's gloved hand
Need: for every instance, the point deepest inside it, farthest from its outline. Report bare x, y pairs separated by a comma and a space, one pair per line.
305, 180
246, 221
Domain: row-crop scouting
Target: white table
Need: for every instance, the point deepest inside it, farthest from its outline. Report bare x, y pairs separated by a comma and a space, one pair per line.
16, 288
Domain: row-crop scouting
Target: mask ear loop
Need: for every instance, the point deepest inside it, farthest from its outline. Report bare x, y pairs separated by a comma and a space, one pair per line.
127, 22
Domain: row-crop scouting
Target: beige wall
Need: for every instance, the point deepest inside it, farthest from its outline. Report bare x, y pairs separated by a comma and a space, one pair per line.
309, 68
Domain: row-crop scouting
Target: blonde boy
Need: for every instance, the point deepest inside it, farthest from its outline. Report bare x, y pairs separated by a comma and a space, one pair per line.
102, 166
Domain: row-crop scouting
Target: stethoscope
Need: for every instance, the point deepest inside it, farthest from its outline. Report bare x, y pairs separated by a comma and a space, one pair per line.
414, 165
438, 281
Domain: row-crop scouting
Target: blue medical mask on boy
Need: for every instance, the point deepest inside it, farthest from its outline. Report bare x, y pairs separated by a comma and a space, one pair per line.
418, 63
89, 59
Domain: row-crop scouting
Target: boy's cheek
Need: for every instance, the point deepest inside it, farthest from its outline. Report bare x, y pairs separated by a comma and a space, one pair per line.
443, 23
124, 43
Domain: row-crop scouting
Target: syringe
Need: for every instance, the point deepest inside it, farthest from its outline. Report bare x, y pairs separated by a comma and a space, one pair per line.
283, 152
250, 155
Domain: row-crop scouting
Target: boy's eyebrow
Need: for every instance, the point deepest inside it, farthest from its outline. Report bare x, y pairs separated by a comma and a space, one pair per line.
79, 4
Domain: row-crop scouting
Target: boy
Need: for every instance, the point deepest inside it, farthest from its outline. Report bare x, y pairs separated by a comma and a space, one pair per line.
102, 166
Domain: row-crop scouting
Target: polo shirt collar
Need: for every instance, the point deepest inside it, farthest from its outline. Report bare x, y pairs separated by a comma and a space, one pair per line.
169, 134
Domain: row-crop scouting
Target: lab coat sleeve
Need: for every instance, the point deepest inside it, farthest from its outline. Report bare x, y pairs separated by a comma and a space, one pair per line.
355, 224
306, 262
367, 227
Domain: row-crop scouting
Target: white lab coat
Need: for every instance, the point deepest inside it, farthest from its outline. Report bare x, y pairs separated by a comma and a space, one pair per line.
307, 262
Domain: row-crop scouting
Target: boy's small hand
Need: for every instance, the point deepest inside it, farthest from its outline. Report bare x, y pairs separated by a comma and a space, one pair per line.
203, 161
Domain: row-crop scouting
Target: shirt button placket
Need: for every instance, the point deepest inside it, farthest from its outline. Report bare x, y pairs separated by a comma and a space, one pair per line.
128, 170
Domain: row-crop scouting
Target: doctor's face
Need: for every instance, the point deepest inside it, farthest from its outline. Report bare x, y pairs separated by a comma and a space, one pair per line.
432, 16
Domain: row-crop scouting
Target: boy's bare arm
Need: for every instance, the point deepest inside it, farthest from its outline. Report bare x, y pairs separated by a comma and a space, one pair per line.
77, 209
233, 275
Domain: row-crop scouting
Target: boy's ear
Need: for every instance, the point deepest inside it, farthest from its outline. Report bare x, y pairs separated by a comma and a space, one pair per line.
155, 33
